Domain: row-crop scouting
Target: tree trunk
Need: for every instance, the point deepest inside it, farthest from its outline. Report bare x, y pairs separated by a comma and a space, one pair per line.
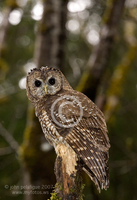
97, 63
49, 49
116, 83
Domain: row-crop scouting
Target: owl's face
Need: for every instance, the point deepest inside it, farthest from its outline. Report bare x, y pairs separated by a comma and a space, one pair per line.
42, 82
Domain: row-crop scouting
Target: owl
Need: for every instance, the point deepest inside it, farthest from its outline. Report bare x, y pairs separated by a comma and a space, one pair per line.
69, 117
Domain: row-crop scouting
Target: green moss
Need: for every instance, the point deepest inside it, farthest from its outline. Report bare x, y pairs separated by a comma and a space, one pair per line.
84, 81
58, 186
54, 196
106, 16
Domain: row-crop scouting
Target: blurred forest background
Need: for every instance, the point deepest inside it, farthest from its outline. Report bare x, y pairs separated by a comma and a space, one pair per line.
94, 43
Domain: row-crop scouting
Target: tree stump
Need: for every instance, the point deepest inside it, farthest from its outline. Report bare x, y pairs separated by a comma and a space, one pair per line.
68, 174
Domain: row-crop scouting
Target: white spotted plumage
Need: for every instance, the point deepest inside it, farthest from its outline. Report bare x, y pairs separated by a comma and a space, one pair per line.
88, 137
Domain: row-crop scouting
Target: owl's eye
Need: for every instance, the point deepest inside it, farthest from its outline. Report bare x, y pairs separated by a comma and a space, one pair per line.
38, 83
51, 81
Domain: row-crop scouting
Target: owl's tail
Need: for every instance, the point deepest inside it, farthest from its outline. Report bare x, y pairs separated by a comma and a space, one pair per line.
99, 184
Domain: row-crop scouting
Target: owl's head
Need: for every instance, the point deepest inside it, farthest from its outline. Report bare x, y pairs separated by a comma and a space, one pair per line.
45, 81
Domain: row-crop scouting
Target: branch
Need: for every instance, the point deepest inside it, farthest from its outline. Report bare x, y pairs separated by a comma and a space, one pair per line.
97, 63
9, 138
5, 151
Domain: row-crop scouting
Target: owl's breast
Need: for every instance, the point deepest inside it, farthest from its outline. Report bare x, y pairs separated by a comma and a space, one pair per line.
49, 129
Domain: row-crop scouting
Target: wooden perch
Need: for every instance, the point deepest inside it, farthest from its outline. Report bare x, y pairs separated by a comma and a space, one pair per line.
67, 171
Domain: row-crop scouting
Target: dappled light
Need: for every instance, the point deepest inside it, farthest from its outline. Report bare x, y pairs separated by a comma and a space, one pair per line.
22, 3
1, 17
28, 66
15, 16
73, 25
22, 83
37, 11
79, 5
93, 37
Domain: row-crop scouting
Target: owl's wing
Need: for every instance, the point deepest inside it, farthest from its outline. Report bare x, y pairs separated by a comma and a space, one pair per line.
88, 137
84, 141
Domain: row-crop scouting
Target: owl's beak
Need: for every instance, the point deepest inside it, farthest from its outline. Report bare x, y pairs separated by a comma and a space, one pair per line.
45, 87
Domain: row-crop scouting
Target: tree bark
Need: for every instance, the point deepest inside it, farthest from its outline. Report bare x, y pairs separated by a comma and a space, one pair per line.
68, 174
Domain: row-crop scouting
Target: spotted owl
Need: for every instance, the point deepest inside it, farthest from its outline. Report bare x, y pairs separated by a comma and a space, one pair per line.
69, 117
